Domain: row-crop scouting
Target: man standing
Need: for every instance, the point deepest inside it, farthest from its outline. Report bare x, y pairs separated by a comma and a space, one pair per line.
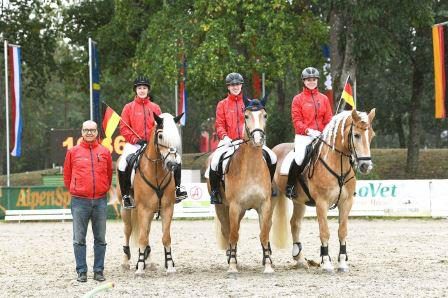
88, 176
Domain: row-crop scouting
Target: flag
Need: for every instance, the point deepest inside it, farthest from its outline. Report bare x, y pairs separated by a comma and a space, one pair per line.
95, 86
15, 89
110, 122
347, 93
182, 104
440, 50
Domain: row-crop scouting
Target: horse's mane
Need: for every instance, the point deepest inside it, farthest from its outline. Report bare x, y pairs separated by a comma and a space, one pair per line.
331, 130
171, 136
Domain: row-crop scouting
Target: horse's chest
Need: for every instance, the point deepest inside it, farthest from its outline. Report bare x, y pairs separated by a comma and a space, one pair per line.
252, 195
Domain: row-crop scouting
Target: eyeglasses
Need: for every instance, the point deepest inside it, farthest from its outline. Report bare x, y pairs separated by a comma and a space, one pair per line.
86, 130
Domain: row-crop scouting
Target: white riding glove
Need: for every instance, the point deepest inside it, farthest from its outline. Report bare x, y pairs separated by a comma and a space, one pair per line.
227, 141
313, 133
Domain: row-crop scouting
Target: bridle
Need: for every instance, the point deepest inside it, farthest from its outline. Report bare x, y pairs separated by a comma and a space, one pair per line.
353, 160
161, 185
250, 133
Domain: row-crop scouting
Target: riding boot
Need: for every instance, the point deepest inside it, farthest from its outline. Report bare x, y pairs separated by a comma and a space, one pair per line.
215, 196
294, 170
272, 172
181, 193
125, 186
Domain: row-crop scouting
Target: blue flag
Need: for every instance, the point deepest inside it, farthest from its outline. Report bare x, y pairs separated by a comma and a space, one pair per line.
95, 86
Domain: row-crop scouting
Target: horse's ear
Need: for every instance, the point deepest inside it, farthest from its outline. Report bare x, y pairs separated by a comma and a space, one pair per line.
263, 100
355, 116
371, 115
246, 101
158, 119
177, 118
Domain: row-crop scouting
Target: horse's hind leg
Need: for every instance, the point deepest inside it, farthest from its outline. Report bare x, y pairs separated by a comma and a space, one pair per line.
321, 210
344, 210
127, 229
265, 218
296, 226
167, 217
234, 220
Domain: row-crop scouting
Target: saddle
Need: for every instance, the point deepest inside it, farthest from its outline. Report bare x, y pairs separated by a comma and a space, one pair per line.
133, 161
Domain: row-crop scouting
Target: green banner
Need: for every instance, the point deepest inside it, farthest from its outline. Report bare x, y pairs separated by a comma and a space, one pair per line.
43, 197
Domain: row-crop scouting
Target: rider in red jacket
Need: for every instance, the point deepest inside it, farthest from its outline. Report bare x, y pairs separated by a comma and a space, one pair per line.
137, 122
310, 112
88, 170
230, 127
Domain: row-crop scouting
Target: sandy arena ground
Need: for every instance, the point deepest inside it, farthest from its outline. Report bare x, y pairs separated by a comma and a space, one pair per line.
405, 257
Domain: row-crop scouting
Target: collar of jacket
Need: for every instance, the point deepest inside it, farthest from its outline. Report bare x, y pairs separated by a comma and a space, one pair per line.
309, 92
235, 97
89, 145
142, 100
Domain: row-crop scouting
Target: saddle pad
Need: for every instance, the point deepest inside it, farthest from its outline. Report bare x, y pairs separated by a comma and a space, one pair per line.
225, 157
286, 164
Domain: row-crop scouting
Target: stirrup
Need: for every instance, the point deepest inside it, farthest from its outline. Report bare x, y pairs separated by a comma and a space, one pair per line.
127, 202
181, 194
291, 192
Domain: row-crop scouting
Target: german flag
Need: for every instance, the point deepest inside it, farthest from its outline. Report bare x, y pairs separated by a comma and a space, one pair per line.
347, 93
110, 122
440, 50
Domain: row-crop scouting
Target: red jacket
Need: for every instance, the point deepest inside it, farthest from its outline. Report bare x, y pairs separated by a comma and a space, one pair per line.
310, 109
230, 117
88, 170
138, 115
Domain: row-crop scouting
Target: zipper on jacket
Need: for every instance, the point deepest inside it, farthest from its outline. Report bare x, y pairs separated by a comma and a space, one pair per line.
144, 119
315, 111
237, 119
93, 171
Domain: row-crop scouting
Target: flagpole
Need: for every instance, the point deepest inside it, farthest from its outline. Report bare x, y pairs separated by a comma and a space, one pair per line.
263, 90
339, 103
354, 93
7, 115
90, 77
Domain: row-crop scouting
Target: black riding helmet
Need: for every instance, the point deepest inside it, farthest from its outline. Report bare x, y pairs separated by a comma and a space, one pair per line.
310, 72
234, 78
141, 80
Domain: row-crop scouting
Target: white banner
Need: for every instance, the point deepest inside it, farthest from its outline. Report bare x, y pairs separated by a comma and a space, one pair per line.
401, 198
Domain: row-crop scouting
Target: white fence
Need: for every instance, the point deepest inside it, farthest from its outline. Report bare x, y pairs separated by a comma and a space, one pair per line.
401, 198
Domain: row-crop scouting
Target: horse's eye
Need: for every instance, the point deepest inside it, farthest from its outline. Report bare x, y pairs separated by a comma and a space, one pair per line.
246, 116
357, 136
265, 116
160, 137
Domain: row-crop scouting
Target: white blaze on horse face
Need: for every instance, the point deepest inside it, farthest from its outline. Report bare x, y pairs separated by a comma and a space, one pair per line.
170, 141
256, 122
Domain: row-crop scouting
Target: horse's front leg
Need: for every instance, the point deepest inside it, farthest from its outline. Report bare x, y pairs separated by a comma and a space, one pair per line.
144, 250
234, 219
322, 210
296, 226
265, 218
167, 217
127, 228
344, 210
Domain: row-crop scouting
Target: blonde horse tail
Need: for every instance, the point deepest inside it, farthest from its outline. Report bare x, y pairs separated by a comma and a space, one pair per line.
220, 240
135, 228
280, 231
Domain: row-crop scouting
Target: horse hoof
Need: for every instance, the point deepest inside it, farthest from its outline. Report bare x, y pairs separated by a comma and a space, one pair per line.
232, 269
302, 264
171, 270
268, 269
139, 273
328, 270
343, 269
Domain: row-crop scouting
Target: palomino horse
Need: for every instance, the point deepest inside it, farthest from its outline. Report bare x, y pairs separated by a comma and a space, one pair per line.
329, 180
247, 185
154, 191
